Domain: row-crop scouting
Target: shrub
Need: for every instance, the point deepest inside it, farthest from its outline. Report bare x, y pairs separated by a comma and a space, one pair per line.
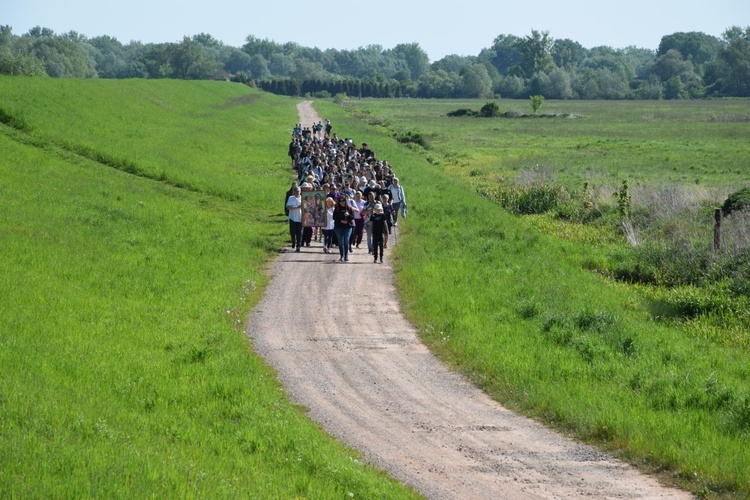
490, 110
462, 112
536, 102
410, 137
530, 199
739, 200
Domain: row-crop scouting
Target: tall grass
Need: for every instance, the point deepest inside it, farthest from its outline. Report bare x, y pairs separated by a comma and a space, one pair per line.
124, 371
511, 302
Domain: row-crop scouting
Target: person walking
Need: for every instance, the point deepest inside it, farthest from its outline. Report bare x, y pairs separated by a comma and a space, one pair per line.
369, 210
398, 199
359, 221
379, 229
328, 229
343, 218
385, 200
294, 205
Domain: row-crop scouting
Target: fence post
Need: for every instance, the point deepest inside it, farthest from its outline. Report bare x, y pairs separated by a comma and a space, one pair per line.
717, 228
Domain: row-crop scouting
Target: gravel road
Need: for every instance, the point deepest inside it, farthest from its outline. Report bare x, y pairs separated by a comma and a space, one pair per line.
342, 348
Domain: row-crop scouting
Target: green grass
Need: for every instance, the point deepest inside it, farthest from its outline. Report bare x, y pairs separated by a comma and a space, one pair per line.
124, 370
650, 142
509, 301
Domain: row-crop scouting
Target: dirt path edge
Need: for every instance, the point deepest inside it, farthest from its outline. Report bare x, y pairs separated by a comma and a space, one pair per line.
342, 348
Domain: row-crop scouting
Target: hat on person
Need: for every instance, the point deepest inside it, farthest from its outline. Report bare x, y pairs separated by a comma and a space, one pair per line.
310, 178
373, 183
378, 206
306, 185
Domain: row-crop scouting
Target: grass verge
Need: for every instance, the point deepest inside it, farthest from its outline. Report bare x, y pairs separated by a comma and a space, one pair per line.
124, 371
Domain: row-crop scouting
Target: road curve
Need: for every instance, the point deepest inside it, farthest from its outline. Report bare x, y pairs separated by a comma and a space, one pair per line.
342, 348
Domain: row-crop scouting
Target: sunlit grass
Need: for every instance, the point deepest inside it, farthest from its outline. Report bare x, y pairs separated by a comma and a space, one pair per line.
512, 302
124, 368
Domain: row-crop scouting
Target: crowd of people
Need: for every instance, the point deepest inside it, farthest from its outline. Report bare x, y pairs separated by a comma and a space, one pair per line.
343, 194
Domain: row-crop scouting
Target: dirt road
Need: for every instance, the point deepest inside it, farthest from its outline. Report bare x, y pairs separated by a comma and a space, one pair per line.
342, 348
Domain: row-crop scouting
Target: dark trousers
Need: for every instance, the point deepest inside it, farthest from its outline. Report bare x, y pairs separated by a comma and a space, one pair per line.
359, 225
328, 238
307, 236
377, 243
295, 231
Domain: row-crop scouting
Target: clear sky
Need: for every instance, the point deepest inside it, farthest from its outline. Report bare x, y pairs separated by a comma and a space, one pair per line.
461, 27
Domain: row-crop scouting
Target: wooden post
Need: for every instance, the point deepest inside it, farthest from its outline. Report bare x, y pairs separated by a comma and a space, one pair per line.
717, 229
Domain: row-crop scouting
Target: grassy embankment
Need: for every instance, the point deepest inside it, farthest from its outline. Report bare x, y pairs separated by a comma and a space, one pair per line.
510, 302
124, 371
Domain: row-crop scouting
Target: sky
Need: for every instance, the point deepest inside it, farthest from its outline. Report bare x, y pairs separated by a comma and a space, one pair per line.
462, 27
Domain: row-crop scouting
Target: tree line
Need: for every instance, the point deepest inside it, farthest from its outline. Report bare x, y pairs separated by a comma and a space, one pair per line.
686, 65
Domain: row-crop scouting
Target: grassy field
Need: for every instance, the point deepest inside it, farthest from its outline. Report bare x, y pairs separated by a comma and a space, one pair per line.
124, 370
136, 219
647, 142
512, 303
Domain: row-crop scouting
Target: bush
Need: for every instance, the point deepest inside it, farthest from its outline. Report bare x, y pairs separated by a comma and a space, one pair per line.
531, 199
739, 200
490, 110
410, 137
462, 112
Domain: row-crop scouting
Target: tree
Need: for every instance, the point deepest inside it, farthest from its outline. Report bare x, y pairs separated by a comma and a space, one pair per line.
736, 56
536, 52
673, 89
476, 82
536, 102
109, 56
60, 55
671, 65
438, 84
415, 58
257, 66
157, 60
239, 61
14, 58
649, 88
281, 65
567, 53
539, 83
505, 53
693, 46
453, 63
559, 86
512, 87
190, 60
266, 48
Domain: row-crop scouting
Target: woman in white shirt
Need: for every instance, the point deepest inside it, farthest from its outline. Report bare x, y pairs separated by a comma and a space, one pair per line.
328, 229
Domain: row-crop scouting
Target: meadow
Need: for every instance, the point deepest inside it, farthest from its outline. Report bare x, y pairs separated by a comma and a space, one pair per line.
136, 222
518, 303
